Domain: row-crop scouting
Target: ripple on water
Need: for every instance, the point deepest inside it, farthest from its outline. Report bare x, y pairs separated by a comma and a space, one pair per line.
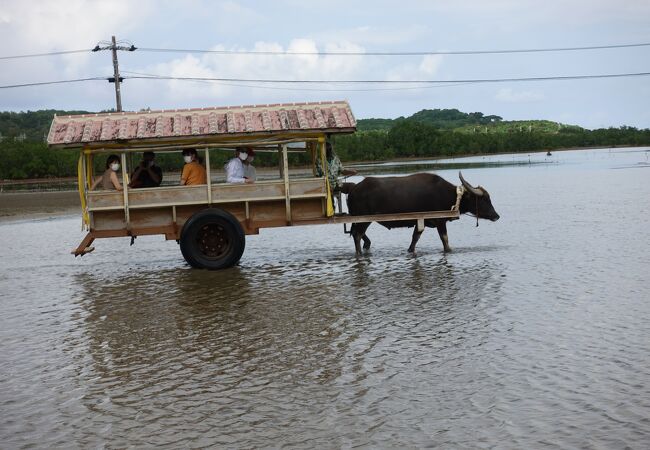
533, 332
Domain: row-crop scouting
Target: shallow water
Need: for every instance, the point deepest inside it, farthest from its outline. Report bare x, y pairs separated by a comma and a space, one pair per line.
532, 333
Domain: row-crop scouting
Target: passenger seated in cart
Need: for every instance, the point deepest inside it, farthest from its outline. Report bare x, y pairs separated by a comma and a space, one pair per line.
249, 170
109, 181
147, 174
235, 168
193, 171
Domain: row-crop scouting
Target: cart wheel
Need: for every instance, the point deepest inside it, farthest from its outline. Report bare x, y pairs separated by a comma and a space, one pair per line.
212, 239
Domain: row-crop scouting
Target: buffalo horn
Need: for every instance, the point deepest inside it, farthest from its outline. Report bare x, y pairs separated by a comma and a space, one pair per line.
469, 187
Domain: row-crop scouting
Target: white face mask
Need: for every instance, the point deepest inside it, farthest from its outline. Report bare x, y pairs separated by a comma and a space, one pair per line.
115, 167
243, 156
150, 164
251, 159
187, 158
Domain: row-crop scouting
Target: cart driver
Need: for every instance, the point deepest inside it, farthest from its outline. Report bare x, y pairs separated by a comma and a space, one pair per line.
334, 168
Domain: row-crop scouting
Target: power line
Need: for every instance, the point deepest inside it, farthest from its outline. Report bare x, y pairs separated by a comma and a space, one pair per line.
42, 83
33, 55
382, 53
390, 82
105, 45
131, 47
278, 88
475, 80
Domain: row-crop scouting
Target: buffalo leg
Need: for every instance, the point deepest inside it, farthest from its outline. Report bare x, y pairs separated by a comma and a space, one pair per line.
414, 241
358, 231
442, 232
366, 242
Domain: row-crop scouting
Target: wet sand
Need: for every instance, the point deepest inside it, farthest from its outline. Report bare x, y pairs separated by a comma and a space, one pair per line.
22, 205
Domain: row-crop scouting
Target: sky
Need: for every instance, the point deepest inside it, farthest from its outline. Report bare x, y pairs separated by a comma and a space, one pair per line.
32, 26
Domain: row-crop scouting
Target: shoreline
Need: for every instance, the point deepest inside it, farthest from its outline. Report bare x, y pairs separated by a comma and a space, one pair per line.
16, 205
273, 170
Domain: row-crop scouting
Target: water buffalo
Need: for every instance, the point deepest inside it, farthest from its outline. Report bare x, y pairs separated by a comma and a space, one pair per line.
413, 193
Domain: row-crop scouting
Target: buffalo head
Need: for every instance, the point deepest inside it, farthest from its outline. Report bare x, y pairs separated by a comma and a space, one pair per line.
479, 203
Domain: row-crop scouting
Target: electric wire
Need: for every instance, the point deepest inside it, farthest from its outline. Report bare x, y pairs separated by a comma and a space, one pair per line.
384, 53
469, 81
33, 55
325, 53
439, 83
43, 83
278, 88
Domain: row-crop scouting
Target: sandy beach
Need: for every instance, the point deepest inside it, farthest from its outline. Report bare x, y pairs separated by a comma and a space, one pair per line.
21, 205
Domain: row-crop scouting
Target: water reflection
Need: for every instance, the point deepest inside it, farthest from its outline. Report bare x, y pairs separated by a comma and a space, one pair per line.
197, 343
533, 329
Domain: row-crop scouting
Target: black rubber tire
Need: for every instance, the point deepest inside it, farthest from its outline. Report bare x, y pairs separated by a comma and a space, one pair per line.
212, 239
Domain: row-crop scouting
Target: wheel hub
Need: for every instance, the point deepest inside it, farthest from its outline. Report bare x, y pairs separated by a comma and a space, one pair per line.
212, 240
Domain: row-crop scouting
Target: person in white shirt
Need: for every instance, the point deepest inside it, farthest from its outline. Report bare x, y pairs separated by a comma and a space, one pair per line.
235, 168
249, 170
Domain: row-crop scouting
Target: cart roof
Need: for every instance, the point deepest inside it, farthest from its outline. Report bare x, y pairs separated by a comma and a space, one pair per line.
201, 125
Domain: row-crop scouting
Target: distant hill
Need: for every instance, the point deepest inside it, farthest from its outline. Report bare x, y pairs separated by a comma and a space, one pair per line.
453, 119
34, 125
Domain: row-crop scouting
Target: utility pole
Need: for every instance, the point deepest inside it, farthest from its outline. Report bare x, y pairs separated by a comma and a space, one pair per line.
116, 78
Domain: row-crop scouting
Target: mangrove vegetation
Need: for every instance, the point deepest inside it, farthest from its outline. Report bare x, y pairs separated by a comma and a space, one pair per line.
427, 133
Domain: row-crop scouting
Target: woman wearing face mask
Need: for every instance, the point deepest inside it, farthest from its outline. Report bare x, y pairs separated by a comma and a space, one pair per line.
235, 168
193, 171
109, 180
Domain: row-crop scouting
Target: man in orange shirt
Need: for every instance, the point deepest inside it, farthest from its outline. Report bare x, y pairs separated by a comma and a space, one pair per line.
193, 171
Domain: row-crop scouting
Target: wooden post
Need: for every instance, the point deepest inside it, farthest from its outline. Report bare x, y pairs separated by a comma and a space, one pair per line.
280, 163
125, 191
207, 174
83, 187
311, 147
323, 159
287, 194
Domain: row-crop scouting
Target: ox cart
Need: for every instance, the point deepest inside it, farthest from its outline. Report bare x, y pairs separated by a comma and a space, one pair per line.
211, 221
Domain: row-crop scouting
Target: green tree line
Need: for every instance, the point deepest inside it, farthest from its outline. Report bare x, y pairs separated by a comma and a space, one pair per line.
427, 133
27, 159
410, 138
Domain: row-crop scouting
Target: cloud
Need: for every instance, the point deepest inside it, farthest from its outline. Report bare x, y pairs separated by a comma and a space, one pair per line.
430, 64
43, 26
573, 11
508, 95
298, 67
242, 66
374, 35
